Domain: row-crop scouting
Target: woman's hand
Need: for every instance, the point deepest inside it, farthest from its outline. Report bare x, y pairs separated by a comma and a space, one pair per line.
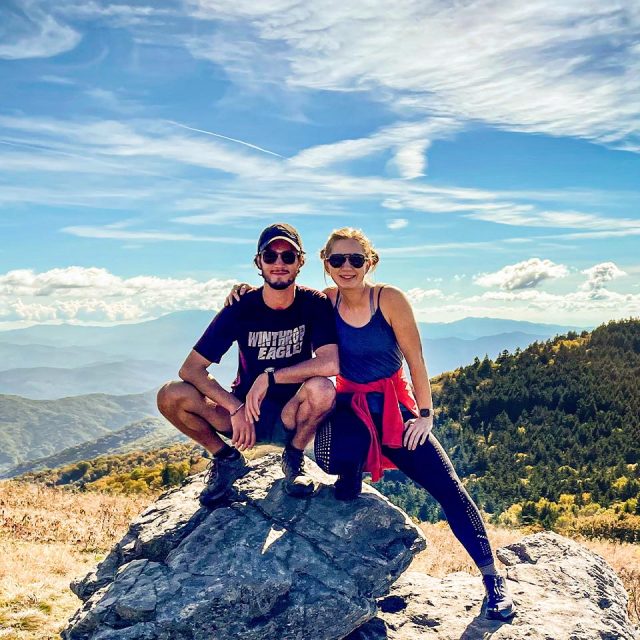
236, 292
416, 432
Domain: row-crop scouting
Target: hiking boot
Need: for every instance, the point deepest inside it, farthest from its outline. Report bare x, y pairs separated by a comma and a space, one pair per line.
296, 482
223, 472
499, 605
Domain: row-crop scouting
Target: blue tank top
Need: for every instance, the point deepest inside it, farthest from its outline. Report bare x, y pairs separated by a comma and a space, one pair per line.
370, 352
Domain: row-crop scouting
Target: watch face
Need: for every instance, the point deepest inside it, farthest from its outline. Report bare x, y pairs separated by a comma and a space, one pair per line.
425, 413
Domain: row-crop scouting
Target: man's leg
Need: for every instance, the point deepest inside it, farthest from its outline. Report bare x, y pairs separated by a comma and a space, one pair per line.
301, 416
200, 419
194, 415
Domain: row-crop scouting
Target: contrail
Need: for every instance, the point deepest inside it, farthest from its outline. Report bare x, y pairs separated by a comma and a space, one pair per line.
219, 135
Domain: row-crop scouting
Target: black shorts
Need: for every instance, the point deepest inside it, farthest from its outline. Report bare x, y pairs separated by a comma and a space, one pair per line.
270, 429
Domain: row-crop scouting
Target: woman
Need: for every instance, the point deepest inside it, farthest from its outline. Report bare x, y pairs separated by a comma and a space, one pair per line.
381, 421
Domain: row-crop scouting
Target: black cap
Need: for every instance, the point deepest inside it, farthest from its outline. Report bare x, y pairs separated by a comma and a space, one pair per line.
279, 231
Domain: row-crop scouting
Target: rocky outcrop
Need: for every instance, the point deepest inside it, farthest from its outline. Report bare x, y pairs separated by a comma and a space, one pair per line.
563, 592
262, 566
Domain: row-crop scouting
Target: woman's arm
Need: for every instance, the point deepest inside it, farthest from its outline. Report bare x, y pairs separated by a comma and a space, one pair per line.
399, 314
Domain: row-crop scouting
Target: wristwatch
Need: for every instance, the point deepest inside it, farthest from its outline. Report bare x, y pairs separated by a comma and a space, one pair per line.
425, 413
271, 375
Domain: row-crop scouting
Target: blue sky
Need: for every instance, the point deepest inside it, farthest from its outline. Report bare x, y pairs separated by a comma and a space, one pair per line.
489, 149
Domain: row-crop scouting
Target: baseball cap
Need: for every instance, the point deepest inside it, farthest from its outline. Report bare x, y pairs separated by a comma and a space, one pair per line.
279, 231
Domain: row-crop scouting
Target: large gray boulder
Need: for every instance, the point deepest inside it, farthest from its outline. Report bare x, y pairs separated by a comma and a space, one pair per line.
262, 566
563, 592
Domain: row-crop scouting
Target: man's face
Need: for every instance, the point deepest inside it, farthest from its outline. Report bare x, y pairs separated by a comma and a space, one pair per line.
279, 275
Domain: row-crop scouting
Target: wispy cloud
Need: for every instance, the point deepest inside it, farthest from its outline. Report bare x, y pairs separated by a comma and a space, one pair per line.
525, 68
115, 232
27, 31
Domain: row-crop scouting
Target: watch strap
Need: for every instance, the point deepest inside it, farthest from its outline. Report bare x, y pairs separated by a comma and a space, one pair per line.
271, 375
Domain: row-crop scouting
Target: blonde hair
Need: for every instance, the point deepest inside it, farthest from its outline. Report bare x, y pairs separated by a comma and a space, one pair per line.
349, 233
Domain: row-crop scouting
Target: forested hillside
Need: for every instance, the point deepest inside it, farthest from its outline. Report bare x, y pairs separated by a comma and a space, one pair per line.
546, 435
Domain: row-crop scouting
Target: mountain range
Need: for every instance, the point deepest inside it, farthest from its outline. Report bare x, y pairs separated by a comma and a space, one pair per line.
55, 361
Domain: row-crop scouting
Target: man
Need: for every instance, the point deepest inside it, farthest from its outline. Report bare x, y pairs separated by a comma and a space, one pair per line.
282, 393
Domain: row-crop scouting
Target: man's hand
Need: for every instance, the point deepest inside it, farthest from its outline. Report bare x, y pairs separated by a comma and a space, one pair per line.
416, 431
244, 431
236, 292
255, 397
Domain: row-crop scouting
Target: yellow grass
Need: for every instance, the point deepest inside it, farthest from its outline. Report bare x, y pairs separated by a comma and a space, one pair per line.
50, 536
47, 538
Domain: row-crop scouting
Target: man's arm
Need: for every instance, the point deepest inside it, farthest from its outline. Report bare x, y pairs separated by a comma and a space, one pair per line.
194, 371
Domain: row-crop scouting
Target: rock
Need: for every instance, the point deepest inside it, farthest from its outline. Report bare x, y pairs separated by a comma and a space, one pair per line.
261, 566
563, 592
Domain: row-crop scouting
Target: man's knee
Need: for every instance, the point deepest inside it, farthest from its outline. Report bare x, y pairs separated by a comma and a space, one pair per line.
320, 394
172, 396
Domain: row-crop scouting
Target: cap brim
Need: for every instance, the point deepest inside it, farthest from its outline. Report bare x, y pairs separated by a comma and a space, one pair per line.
289, 240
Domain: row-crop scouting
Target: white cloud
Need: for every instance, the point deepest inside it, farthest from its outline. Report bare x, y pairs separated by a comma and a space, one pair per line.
397, 223
523, 275
520, 66
94, 294
600, 274
407, 141
417, 295
29, 32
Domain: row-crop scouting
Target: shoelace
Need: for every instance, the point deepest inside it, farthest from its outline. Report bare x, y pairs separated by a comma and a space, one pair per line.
213, 472
497, 589
294, 460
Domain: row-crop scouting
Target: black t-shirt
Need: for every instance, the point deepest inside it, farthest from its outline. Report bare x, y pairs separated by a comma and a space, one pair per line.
268, 337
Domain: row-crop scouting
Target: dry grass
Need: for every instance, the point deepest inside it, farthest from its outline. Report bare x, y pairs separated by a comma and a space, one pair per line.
445, 555
50, 536
47, 538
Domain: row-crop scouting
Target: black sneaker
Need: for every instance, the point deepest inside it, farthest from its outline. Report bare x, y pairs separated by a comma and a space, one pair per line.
348, 486
296, 482
223, 472
499, 604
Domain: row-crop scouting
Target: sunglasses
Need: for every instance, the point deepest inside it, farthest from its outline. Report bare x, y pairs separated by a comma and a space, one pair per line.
356, 260
269, 256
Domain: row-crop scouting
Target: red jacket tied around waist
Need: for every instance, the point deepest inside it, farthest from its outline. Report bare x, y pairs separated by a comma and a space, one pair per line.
395, 389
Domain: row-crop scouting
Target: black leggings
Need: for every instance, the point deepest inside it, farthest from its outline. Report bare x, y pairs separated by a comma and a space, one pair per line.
341, 447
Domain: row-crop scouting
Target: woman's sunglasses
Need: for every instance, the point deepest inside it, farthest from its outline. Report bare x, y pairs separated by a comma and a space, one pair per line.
356, 260
269, 256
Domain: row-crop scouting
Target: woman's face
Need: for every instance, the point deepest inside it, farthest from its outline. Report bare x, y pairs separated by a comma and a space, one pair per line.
347, 275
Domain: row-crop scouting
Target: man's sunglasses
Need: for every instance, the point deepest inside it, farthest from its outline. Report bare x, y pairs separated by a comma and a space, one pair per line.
356, 260
269, 256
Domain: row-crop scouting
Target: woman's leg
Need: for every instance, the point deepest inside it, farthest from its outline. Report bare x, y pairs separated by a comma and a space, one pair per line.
340, 447
429, 466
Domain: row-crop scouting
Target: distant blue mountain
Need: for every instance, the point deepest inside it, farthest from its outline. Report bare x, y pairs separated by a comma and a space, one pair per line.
168, 339
470, 328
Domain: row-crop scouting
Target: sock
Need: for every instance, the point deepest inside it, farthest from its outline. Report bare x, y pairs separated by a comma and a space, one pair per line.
291, 446
489, 569
227, 452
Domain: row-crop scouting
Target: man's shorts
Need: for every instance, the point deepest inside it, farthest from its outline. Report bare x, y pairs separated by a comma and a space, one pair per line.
270, 428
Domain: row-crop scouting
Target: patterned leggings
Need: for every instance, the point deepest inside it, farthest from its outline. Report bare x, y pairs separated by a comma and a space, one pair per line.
341, 446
